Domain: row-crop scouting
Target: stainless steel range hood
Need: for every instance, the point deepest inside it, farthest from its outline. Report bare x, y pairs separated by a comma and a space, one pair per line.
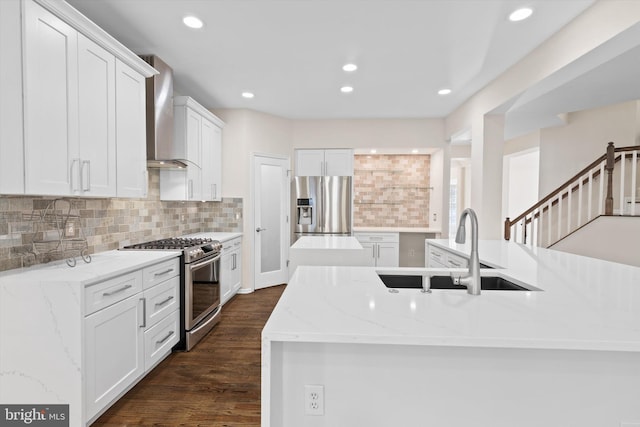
160, 116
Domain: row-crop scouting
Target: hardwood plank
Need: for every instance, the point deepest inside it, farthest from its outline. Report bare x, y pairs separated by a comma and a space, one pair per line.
215, 384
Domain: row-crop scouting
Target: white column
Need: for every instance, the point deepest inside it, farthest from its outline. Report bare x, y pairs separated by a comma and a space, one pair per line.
487, 143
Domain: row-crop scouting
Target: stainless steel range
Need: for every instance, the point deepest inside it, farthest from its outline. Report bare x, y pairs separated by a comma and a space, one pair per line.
200, 284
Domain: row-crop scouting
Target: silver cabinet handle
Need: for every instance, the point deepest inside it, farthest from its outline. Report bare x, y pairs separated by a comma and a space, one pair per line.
373, 251
124, 288
165, 301
165, 338
190, 189
162, 273
214, 190
88, 174
259, 229
144, 312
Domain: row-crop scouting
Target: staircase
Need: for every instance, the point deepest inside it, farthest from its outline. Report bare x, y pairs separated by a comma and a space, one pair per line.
606, 187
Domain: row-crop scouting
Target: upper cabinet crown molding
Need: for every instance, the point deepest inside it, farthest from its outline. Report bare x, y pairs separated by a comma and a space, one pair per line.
73, 17
187, 101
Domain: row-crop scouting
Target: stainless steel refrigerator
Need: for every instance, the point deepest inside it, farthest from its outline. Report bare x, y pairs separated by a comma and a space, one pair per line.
321, 205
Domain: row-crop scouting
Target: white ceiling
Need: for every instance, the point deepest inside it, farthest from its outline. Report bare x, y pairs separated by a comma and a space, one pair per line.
290, 52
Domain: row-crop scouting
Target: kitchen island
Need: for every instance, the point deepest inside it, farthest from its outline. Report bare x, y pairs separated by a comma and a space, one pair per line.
568, 354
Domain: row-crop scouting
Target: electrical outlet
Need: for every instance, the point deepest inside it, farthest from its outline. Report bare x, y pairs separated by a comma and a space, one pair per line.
412, 252
314, 399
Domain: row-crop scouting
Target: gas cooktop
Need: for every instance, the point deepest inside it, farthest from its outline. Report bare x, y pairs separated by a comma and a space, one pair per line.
194, 248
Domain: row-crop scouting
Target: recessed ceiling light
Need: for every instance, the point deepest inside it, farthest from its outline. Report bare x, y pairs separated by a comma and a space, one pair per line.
444, 91
346, 89
192, 22
350, 67
520, 14
247, 95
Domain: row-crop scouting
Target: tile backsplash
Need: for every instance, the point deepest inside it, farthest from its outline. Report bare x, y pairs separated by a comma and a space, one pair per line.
391, 190
112, 223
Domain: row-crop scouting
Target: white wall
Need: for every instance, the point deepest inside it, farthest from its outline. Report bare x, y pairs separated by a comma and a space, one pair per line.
615, 239
246, 132
565, 150
520, 185
368, 133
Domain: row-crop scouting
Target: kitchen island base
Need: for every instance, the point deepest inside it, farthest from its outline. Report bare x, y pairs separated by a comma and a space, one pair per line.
383, 385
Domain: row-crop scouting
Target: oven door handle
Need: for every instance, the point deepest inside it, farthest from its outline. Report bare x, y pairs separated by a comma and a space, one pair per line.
205, 262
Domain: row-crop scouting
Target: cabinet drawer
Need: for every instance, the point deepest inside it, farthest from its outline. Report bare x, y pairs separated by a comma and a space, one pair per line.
377, 237
160, 272
436, 255
161, 300
103, 294
455, 261
159, 339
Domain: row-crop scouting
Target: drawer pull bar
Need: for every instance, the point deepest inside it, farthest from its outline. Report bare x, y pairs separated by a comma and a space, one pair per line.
124, 288
165, 338
144, 312
165, 301
164, 272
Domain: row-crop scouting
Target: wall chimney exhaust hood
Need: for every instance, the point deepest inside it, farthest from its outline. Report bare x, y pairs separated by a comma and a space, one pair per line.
159, 94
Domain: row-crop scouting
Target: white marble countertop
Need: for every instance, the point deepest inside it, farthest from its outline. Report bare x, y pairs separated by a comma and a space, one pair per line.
221, 236
585, 304
396, 230
102, 266
327, 242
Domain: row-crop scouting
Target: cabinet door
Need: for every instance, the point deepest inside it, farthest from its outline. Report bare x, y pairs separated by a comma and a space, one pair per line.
237, 268
11, 101
114, 352
338, 162
370, 249
96, 118
194, 169
387, 254
51, 104
309, 162
131, 144
226, 275
211, 161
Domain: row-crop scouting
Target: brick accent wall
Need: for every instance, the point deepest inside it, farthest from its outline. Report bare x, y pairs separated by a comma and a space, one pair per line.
112, 223
391, 190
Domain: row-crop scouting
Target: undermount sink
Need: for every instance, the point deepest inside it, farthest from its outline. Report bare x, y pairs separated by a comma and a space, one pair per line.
410, 281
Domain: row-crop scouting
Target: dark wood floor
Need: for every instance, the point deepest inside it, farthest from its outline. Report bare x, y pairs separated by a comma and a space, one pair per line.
215, 384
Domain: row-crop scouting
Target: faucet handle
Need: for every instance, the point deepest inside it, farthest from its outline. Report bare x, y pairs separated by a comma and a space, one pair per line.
426, 284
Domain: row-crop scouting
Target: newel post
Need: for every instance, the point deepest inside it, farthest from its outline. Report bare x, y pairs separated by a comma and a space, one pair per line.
507, 229
608, 206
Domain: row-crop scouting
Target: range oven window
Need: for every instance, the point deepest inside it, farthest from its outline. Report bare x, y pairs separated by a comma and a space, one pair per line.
205, 289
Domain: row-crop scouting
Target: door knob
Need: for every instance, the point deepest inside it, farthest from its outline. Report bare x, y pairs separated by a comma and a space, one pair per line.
259, 229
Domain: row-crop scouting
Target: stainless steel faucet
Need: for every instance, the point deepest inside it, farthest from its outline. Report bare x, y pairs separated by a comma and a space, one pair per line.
472, 279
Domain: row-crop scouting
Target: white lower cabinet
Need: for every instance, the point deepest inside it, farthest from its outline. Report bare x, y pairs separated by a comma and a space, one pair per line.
113, 352
126, 335
436, 257
231, 268
384, 248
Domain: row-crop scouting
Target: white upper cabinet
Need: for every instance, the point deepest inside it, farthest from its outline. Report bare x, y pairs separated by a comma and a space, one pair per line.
198, 140
334, 162
11, 101
82, 94
211, 156
96, 119
52, 163
131, 132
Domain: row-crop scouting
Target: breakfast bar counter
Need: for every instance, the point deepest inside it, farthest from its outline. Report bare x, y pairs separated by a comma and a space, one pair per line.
565, 354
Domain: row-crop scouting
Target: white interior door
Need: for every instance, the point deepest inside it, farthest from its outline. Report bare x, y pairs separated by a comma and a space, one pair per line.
271, 225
